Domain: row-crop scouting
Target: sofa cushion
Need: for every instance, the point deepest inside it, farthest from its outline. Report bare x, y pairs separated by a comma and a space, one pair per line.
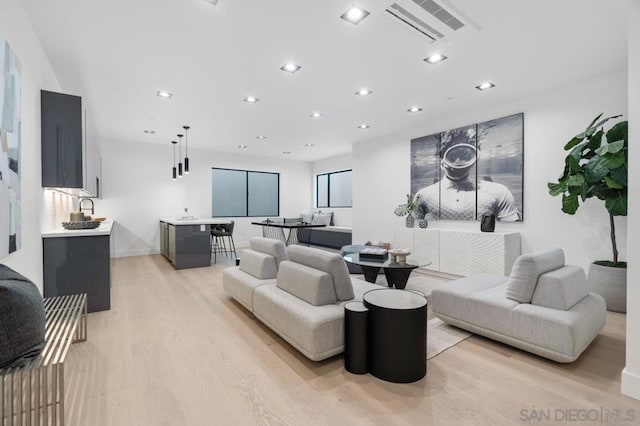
241, 285
309, 284
527, 269
451, 299
22, 319
316, 331
270, 246
260, 265
328, 262
306, 217
561, 289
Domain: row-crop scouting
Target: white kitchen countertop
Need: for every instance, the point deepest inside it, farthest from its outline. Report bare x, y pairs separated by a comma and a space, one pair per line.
196, 221
104, 229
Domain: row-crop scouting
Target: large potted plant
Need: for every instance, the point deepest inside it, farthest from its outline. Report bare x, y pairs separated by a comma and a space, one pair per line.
596, 167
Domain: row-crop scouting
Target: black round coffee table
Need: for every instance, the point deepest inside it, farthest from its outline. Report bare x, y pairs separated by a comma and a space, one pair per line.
397, 273
397, 334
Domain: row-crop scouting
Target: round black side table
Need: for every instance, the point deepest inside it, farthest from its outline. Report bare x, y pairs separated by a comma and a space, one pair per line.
355, 338
397, 346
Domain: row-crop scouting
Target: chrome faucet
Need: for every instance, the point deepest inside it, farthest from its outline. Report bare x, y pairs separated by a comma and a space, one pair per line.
83, 200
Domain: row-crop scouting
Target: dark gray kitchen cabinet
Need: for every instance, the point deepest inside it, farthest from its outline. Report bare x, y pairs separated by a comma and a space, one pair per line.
74, 265
62, 140
186, 246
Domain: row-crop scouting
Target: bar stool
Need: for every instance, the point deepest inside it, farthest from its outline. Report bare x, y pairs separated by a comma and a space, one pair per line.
218, 242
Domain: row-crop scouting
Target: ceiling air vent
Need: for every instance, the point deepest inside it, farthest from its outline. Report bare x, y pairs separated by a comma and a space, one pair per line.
414, 22
435, 20
440, 13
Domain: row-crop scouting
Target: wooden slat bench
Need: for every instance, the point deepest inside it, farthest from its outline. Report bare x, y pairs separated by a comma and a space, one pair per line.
33, 395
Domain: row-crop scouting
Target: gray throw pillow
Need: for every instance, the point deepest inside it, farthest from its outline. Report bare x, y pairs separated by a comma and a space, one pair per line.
307, 217
22, 319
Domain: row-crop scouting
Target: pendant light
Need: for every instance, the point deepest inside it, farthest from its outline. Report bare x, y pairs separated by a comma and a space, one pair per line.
174, 159
186, 149
180, 156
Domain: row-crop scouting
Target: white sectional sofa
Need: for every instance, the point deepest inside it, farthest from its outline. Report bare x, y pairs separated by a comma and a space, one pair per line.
544, 307
299, 292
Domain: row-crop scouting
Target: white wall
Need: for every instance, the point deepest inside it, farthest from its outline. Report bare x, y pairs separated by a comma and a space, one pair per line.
138, 191
341, 216
551, 119
631, 373
37, 74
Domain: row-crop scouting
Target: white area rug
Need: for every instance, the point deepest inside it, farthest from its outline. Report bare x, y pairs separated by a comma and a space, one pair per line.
440, 336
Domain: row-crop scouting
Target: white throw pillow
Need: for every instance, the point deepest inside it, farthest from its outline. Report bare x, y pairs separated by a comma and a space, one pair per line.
322, 219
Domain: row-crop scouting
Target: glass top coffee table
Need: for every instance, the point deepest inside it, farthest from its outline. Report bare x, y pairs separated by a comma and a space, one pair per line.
397, 273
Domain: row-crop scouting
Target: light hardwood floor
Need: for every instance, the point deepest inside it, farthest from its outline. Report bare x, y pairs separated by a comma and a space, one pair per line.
176, 350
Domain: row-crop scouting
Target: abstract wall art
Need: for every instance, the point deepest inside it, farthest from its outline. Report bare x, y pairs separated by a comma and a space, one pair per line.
464, 173
10, 135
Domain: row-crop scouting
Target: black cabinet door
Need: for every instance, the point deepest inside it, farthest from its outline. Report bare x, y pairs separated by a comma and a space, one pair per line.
74, 265
61, 117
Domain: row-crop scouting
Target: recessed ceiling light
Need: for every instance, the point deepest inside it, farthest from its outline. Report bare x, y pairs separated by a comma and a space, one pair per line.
364, 92
414, 109
316, 114
363, 126
150, 132
290, 68
251, 99
164, 94
486, 85
309, 145
435, 58
242, 146
261, 137
355, 15
286, 152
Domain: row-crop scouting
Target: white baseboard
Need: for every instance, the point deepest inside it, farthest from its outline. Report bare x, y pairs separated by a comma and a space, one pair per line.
425, 271
630, 384
136, 252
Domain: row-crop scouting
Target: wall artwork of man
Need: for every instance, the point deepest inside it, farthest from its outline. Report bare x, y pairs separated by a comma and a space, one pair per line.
465, 173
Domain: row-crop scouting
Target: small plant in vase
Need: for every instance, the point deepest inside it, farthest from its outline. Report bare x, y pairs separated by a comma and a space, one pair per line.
413, 209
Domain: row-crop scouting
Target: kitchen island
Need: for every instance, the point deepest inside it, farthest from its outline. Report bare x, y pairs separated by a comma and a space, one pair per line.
79, 261
186, 243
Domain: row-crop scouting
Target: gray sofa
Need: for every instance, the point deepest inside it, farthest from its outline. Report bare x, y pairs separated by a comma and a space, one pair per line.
544, 307
299, 292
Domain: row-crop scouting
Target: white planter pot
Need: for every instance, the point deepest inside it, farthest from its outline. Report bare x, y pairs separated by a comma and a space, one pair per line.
610, 283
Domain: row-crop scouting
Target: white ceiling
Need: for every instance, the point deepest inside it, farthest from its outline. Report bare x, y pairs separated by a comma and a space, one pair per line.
118, 53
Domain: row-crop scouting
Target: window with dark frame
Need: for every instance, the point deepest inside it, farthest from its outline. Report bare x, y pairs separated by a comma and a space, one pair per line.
334, 189
244, 193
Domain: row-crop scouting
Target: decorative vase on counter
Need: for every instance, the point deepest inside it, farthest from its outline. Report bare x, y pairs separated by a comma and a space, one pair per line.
410, 221
423, 223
